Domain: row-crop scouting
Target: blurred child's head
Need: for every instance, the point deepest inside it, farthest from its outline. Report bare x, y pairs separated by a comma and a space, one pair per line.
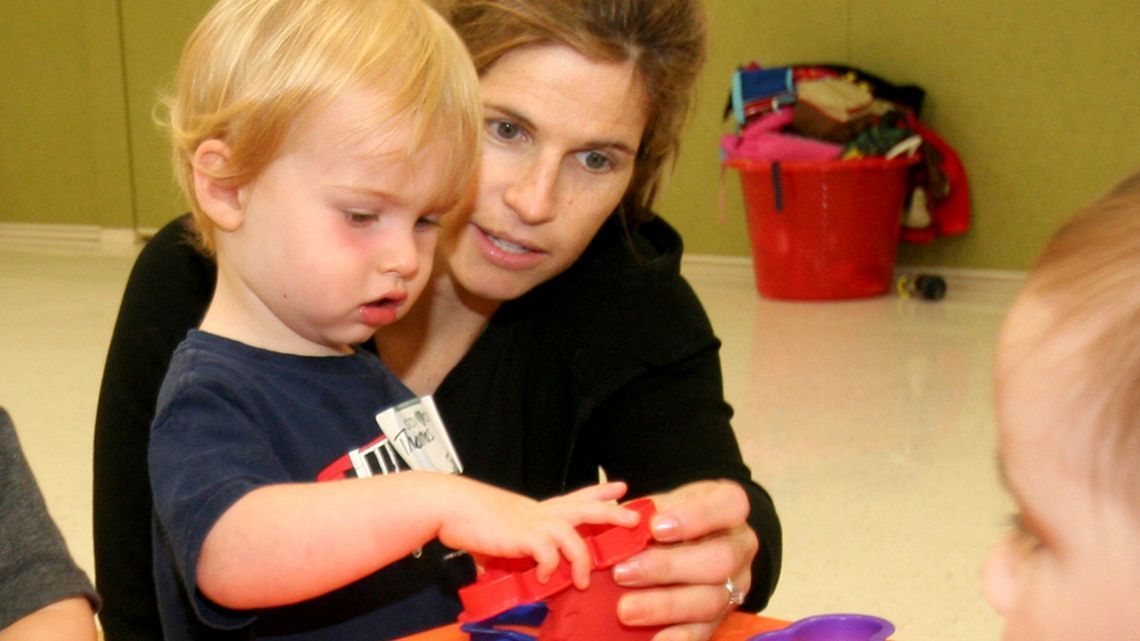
1068, 409
252, 68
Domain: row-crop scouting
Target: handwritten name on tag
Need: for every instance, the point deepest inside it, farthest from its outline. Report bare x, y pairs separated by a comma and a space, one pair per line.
416, 430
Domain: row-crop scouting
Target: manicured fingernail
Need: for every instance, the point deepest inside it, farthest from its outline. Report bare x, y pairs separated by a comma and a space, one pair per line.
627, 573
666, 529
630, 613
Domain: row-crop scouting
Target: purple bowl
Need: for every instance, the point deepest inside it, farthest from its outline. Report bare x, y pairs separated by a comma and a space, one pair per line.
832, 627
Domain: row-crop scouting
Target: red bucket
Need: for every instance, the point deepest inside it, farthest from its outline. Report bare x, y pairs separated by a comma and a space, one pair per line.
824, 230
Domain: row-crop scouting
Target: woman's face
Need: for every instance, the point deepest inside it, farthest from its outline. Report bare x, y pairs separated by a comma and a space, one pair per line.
561, 135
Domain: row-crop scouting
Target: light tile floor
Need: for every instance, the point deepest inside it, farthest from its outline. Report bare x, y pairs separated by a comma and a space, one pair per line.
869, 421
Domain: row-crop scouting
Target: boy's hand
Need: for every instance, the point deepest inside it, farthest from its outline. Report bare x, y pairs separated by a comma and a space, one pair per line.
490, 521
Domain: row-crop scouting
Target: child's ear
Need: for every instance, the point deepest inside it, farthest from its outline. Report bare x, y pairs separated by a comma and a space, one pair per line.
221, 202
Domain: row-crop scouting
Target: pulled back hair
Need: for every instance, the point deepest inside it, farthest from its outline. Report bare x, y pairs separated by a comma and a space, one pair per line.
664, 39
1087, 281
252, 67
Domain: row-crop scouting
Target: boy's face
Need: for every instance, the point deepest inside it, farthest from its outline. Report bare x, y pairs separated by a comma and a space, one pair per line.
336, 235
1071, 570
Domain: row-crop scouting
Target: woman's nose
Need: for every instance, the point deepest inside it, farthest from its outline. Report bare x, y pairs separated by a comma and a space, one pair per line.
531, 192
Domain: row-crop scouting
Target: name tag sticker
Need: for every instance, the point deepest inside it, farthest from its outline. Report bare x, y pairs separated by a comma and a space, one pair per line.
416, 430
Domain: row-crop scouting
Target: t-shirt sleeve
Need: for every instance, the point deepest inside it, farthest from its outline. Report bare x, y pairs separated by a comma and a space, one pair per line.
36, 569
206, 453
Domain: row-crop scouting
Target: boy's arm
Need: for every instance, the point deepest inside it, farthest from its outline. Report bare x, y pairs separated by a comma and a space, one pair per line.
286, 543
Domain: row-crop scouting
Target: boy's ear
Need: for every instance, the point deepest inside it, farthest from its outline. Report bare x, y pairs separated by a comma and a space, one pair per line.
221, 202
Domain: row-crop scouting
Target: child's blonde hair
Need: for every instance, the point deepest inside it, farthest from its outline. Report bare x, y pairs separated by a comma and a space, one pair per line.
252, 66
1086, 287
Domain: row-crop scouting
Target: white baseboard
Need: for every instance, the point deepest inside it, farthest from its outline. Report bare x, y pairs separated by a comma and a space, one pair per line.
737, 270
731, 271
707, 268
68, 239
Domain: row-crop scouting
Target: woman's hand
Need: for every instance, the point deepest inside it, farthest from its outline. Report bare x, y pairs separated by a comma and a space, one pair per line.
702, 539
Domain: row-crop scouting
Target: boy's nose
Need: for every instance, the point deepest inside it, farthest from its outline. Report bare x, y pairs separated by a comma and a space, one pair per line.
400, 257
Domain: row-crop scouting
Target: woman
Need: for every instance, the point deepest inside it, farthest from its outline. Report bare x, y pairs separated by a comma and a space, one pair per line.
556, 336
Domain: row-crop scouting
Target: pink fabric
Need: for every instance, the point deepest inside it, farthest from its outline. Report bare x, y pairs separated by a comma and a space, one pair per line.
763, 139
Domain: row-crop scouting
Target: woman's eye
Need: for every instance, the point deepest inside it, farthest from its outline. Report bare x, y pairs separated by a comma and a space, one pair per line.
505, 129
595, 161
428, 222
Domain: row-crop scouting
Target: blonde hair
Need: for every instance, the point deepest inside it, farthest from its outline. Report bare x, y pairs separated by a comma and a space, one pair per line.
664, 39
253, 66
1086, 284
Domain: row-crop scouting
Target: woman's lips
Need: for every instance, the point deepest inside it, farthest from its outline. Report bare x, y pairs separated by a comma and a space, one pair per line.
383, 311
506, 253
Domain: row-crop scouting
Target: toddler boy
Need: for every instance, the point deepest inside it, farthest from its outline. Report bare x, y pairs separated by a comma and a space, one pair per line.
319, 142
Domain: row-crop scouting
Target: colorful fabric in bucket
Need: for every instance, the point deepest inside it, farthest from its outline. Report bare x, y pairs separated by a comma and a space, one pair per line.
764, 139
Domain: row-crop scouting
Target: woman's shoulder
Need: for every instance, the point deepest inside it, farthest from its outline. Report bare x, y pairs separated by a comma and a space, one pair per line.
620, 262
649, 251
626, 303
172, 252
169, 287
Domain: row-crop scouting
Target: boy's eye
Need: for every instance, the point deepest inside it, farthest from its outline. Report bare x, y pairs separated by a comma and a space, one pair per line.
595, 161
361, 217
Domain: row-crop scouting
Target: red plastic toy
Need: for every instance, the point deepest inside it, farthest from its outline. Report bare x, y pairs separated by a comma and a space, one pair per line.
575, 615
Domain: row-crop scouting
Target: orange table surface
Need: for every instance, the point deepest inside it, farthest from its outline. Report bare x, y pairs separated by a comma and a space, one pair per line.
738, 626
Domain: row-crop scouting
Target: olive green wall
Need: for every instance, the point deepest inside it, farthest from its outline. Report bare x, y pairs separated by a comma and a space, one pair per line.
1040, 99
153, 34
63, 147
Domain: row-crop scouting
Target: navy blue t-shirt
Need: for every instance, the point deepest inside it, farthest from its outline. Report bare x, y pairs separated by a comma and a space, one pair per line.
232, 418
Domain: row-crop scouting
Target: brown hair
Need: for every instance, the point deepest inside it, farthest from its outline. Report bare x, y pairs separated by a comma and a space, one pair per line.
251, 68
664, 39
1086, 284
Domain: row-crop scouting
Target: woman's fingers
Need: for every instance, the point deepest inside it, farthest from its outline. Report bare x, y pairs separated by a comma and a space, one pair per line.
688, 605
702, 539
711, 559
697, 509
687, 632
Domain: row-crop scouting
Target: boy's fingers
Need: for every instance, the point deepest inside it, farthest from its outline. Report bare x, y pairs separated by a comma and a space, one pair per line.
546, 556
576, 512
578, 555
611, 491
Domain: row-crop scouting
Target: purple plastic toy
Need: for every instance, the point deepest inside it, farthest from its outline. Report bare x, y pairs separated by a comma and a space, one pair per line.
832, 627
